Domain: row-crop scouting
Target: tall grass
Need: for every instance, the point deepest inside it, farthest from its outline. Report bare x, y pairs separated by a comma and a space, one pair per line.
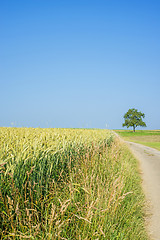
68, 184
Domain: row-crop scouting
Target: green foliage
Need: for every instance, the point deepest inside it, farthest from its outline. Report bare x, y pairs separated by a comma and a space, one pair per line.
133, 118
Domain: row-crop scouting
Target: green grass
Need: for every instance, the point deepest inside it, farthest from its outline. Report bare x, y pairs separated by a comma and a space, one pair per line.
150, 138
68, 184
129, 133
155, 145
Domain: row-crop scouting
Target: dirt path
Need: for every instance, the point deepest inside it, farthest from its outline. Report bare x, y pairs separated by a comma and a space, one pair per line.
150, 166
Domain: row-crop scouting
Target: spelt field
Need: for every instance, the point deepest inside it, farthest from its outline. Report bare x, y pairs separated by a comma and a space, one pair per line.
68, 184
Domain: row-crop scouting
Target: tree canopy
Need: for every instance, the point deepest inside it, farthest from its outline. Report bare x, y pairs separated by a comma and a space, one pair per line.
133, 118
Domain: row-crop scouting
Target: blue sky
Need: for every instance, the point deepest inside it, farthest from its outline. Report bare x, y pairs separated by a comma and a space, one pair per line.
79, 63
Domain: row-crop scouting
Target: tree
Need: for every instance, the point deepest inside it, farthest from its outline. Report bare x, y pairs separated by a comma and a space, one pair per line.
133, 118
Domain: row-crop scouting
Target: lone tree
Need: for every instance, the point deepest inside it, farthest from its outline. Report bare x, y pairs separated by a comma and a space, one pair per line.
133, 118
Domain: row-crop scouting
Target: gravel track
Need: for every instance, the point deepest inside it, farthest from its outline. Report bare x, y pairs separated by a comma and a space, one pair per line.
149, 159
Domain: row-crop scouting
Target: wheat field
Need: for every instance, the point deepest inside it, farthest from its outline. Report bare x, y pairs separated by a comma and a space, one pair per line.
68, 184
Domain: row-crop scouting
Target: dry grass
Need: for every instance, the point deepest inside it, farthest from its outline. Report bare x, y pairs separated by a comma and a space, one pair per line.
150, 138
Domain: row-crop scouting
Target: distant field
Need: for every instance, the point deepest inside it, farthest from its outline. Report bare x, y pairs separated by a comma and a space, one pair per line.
150, 138
68, 184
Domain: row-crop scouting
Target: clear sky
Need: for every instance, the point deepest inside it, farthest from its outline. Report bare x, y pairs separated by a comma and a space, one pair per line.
79, 63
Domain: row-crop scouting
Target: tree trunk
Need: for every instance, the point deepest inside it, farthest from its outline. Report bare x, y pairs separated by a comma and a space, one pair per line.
134, 128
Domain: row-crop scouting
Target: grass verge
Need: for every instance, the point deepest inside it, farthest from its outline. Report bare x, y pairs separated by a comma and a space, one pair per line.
150, 138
